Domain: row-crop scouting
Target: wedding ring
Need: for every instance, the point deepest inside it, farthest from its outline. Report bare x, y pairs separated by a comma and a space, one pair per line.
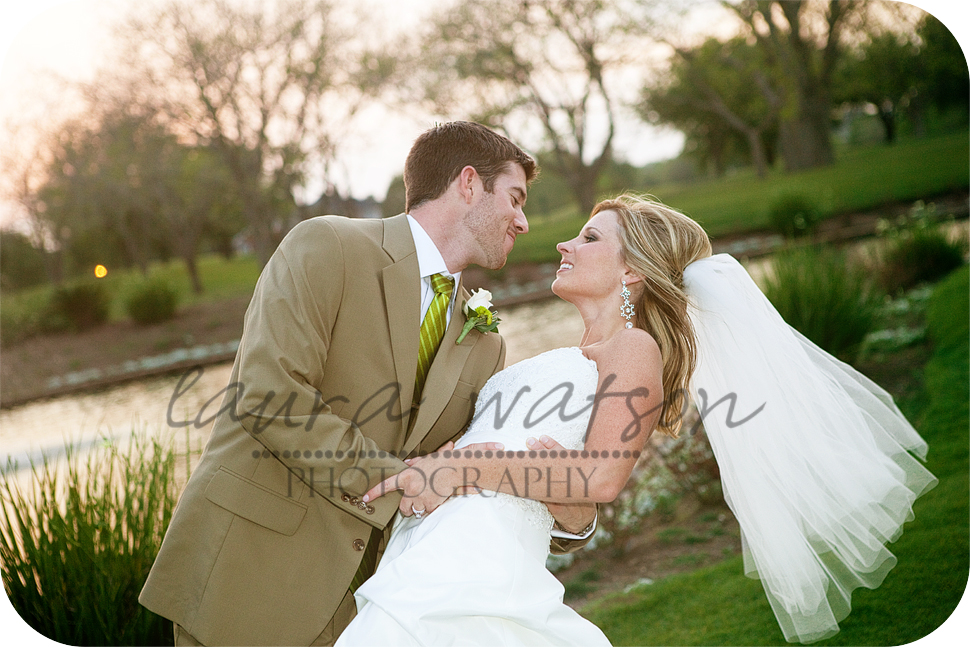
417, 513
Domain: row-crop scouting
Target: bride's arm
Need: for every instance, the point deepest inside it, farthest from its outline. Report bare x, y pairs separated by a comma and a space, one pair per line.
575, 522
627, 406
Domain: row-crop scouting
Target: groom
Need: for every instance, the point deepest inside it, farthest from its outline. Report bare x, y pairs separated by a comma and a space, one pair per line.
335, 381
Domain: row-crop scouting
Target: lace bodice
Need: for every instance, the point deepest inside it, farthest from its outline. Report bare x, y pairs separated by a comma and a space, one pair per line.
550, 394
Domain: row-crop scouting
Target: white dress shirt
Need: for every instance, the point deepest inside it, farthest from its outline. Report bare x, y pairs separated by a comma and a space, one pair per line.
430, 262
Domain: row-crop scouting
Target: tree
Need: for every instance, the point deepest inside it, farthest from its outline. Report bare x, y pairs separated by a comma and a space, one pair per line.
90, 202
265, 88
192, 191
708, 93
545, 63
883, 72
125, 178
913, 68
801, 43
23, 160
21, 263
942, 68
395, 199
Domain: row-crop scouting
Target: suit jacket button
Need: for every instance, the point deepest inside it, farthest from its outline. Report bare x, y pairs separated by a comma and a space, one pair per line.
369, 509
354, 500
345, 498
358, 544
361, 505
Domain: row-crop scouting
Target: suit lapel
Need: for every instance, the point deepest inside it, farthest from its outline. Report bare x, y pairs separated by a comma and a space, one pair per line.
402, 301
443, 375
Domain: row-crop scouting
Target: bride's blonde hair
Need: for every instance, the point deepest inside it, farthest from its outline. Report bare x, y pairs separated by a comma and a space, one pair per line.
658, 243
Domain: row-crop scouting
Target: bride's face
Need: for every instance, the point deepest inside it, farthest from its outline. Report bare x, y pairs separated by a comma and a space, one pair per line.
592, 262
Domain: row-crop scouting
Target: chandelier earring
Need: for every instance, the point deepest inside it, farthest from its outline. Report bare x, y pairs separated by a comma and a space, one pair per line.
626, 310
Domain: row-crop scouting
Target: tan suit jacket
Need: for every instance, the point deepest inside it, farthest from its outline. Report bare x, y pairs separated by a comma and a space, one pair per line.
268, 534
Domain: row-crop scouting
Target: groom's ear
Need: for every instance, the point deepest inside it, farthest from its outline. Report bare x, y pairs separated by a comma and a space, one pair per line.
469, 184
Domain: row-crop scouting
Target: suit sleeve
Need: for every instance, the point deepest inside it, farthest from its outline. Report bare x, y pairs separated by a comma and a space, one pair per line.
283, 353
563, 545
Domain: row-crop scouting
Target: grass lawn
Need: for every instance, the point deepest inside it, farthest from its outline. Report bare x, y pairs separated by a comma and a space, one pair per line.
719, 606
861, 179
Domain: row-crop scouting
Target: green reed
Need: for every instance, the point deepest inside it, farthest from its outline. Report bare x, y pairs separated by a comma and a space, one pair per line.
823, 297
78, 537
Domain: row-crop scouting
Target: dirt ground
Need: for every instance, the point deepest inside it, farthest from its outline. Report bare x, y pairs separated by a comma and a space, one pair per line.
27, 367
696, 535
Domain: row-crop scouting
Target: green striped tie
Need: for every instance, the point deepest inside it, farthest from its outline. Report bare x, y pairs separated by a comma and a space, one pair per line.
432, 329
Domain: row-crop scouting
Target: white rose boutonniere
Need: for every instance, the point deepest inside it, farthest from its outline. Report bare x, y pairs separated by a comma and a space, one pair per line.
478, 314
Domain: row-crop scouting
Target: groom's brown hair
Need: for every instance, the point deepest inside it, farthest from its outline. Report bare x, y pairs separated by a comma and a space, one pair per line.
439, 154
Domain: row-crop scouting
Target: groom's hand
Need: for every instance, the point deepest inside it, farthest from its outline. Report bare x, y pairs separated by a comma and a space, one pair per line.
425, 484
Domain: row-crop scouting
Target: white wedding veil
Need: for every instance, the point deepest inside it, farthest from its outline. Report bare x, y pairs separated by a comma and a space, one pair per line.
814, 457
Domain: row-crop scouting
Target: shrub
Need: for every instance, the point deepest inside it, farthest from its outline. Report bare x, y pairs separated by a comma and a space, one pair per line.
151, 301
793, 215
919, 256
77, 306
77, 542
825, 299
21, 315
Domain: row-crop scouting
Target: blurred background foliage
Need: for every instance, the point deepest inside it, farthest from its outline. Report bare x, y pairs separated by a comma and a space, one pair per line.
202, 139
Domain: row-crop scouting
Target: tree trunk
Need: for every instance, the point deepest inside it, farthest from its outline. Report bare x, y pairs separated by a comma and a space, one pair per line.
585, 191
716, 146
581, 180
54, 264
262, 240
758, 156
192, 268
805, 141
888, 117
804, 137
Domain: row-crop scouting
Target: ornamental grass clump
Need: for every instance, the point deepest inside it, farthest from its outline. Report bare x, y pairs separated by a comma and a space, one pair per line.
920, 256
918, 249
78, 537
824, 297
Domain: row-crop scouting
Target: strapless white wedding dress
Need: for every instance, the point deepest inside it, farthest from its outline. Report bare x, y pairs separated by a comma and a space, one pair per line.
473, 571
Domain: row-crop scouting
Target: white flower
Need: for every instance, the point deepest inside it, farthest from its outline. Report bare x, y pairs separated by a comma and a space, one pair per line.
479, 298
478, 314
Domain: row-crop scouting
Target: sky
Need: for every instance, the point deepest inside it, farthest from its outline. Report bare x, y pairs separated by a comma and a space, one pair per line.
67, 36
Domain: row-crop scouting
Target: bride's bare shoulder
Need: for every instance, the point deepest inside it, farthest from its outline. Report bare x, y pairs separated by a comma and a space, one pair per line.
632, 350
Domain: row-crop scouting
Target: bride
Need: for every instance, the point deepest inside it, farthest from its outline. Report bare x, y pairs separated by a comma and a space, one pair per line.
817, 468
